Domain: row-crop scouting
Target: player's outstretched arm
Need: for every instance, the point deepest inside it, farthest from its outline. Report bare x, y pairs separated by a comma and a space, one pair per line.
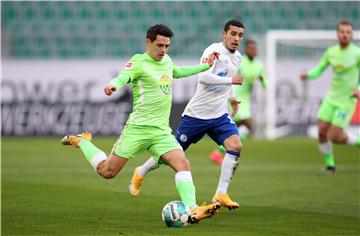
116, 83
318, 70
186, 71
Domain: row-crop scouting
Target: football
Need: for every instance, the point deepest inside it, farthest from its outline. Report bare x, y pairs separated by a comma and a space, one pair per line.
176, 214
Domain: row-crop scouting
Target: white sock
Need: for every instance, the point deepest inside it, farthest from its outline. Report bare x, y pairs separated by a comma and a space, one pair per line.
148, 166
228, 168
183, 176
101, 156
326, 148
352, 139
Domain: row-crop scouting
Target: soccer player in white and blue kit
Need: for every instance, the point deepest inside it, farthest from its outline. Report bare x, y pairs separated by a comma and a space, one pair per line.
207, 112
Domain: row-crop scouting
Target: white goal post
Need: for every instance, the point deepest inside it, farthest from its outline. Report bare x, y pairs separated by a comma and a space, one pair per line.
272, 131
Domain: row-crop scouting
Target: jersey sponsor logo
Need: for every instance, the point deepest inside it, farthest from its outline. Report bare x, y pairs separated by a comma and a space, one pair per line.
183, 138
129, 65
165, 84
222, 73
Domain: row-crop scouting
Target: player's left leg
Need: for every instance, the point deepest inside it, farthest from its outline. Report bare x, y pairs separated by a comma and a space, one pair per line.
184, 184
225, 132
166, 148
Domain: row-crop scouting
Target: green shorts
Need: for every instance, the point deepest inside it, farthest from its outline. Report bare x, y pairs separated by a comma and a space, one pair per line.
337, 115
243, 113
135, 139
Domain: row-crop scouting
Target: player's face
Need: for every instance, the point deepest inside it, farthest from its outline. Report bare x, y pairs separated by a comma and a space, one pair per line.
251, 50
158, 48
233, 37
344, 34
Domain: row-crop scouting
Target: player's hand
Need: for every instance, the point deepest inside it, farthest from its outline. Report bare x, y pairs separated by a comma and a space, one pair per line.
235, 105
109, 89
237, 80
356, 94
212, 57
303, 76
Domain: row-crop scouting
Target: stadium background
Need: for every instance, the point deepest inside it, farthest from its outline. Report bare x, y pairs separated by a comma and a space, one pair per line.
57, 57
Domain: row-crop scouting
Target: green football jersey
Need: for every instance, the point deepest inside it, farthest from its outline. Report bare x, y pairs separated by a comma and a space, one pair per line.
345, 64
152, 87
250, 70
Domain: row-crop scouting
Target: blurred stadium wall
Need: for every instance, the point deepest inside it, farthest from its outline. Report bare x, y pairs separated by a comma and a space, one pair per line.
58, 56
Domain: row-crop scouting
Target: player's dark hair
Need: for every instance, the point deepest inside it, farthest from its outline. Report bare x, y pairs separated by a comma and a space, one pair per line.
236, 23
250, 41
344, 22
158, 29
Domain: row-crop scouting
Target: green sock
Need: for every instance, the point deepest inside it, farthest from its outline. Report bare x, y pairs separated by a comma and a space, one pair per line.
329, 160
221, 149
186, 188
93, 154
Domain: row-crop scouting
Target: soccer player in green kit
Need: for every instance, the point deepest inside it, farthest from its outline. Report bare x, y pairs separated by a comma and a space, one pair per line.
147, 128
339, 103
251, 69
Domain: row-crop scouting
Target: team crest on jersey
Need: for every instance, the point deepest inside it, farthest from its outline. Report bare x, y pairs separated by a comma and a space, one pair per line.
129, 65
165, 84
339, 69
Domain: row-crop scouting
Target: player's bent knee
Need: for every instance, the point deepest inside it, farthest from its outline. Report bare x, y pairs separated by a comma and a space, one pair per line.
236, 147
184, 165
107, 174
335, 138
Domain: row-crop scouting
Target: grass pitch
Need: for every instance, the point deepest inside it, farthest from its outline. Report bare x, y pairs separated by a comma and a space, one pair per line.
49, 189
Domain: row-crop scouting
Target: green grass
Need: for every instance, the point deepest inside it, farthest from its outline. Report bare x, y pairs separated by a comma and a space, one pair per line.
48, 189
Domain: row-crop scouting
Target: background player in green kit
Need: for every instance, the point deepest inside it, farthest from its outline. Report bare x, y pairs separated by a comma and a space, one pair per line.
339, 103
147, 128
250, 69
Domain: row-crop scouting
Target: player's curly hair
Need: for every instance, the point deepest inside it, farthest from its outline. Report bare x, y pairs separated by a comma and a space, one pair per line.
158, 29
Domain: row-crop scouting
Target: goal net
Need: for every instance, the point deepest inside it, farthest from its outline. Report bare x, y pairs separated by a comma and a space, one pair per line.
291, 104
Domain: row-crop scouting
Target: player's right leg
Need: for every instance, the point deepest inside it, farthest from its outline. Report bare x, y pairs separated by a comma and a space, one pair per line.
107, 167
